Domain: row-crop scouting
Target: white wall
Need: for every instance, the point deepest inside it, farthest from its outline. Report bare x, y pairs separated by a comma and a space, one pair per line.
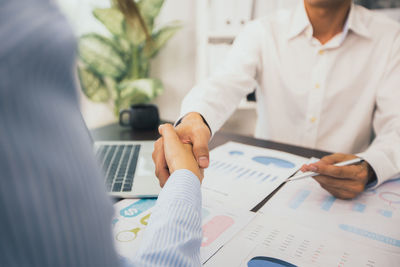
175, 65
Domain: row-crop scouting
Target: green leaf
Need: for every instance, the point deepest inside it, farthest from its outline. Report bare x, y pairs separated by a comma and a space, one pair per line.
112, 19
101, 55
160, 38
135, 34
149, 9
138, 91
92, 85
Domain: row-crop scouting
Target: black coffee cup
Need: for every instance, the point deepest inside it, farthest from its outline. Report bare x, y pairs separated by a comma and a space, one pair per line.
140, 116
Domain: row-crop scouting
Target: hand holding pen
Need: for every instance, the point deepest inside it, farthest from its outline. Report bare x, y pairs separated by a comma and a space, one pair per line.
343, 175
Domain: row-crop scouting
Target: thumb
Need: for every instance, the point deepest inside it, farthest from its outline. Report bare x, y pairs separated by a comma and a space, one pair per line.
171, 139
200, 150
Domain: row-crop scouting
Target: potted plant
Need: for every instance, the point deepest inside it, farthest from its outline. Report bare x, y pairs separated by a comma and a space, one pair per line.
115, 69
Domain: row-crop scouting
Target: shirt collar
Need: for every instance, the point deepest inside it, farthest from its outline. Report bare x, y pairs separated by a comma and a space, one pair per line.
300, 22
356, 22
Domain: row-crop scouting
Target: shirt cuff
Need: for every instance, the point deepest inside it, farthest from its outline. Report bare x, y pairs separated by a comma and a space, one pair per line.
181, 185
381, 165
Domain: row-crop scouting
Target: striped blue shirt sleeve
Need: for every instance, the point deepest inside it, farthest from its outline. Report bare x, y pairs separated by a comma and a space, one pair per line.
173, 235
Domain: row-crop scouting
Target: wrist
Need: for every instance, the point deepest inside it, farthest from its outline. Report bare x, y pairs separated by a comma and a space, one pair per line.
194, 117
372, 178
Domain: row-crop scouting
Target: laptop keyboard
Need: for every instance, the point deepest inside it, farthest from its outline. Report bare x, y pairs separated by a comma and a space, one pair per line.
119, 164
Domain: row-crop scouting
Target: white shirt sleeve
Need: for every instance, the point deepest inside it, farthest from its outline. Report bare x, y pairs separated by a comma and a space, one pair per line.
174, 234
384, 153
217, 98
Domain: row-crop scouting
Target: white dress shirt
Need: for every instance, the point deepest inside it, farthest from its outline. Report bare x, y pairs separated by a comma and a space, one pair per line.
333, 97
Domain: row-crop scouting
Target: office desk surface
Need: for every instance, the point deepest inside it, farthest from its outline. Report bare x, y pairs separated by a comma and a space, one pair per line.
308, 202
116, 132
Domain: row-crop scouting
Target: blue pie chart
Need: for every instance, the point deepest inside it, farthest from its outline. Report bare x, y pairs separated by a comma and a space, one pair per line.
268, 262
281, 163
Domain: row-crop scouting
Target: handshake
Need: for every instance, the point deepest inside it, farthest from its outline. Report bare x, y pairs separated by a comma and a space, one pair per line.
183, 147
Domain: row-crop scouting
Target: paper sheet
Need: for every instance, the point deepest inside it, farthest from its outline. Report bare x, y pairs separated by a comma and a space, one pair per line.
220, 225
132, 215
284, 240
373, 218
242, 176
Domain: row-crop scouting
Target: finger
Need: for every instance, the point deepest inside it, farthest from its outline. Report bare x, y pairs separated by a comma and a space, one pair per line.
161, 168
304, 168
349, 172
348, 185
200, 150
171, 139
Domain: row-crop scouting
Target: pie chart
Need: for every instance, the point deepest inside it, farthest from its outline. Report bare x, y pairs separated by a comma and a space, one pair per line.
268, 262
281, 163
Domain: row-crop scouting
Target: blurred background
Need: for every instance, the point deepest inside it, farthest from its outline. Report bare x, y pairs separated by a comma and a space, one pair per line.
209, 28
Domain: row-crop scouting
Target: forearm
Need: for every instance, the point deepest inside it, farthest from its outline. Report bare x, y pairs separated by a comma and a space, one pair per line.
383, 155
217, 97
173, 236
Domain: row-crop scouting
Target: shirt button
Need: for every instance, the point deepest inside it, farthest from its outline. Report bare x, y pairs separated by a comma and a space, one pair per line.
313, 119
321, 52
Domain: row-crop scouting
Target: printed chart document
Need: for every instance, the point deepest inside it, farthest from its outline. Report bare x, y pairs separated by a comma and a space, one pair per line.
373, 218
271, 238
242, 176
132, 216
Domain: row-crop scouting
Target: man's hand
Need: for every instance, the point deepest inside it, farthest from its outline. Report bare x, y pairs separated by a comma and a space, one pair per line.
193, 130
345, 182
175, 154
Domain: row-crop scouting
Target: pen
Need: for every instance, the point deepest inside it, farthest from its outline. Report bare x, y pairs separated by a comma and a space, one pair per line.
311, 174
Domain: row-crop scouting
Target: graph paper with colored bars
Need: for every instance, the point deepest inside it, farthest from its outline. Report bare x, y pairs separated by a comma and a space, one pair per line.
372, 218
242, 176
274, 240
132, 216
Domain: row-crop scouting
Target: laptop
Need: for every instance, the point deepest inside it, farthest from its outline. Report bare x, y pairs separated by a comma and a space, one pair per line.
128, 168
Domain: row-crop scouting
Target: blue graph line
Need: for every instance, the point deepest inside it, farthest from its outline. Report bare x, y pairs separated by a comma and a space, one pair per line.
273, 179
386, 213
243, 173
274, 161
299, 199
234, 152
241, 169
231, 169
227, 166
370, 235
359, 207
251, 174
219, 166
266, 177
328, 202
